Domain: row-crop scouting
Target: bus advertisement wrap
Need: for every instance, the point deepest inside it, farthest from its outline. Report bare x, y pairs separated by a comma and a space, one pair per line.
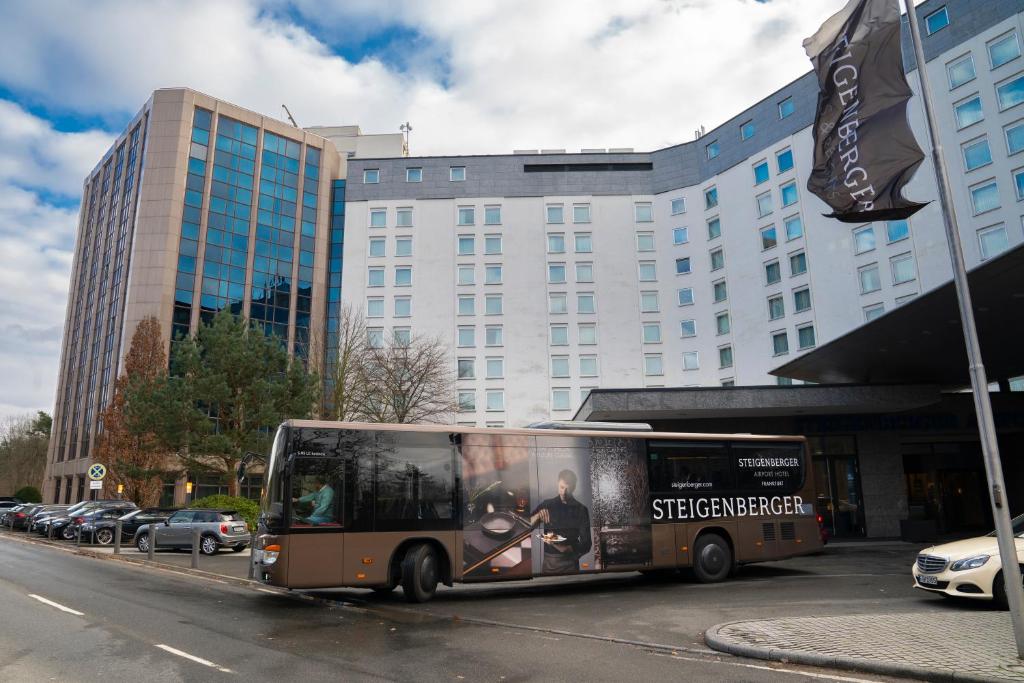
675, 509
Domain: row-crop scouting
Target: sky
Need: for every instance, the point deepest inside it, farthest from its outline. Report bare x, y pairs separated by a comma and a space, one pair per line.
471, 76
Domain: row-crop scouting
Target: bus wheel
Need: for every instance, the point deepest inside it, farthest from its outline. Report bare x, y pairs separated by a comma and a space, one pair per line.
419, 573
712, 560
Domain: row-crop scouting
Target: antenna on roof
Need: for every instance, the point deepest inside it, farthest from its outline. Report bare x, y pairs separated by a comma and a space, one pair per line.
406, 128
289, 115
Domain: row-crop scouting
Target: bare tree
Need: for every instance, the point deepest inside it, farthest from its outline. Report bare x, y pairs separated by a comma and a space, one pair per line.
343, 388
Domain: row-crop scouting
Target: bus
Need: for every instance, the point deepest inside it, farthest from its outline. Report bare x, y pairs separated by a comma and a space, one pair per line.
379, 506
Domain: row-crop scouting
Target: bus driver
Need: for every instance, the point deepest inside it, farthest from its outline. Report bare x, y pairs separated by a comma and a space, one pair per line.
322, 499
567, 527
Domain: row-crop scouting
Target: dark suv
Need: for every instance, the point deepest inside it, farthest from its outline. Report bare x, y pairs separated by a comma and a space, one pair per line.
89, 522
130, 523
218, 529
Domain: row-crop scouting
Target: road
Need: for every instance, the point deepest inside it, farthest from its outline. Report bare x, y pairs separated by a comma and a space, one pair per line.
74, 618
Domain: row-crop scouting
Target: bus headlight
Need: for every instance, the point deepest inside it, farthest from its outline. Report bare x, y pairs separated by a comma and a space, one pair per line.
270, 554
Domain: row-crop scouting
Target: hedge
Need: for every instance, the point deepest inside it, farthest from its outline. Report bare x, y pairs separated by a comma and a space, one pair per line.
249, 509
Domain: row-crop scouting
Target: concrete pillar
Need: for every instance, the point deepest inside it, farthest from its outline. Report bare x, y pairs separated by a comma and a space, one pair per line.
883, 483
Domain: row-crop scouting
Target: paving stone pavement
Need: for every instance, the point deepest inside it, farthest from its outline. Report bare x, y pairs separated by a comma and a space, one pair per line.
959, 646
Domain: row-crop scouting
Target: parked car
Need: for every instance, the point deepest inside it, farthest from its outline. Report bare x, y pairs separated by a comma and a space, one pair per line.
10, 499
967, 569
134, 520
20, 516
5, 516
85, 522
62, 526
218, 529
43, 513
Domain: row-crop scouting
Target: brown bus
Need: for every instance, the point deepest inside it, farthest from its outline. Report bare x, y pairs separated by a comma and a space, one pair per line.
377, 506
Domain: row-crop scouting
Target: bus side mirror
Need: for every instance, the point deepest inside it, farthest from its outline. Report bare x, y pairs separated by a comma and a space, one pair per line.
240, 470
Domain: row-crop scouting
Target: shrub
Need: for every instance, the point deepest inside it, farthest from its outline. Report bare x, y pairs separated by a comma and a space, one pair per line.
249, 509
29, 494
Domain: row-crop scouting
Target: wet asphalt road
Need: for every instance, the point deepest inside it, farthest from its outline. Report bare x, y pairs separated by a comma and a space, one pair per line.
146, 624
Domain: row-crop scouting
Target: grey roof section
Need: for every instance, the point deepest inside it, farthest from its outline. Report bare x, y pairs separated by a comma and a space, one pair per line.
682, 165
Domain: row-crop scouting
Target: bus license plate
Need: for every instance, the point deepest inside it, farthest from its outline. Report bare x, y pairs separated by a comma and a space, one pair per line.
928, 580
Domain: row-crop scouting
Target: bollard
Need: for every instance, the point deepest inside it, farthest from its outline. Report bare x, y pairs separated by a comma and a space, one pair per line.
49, 531
252, 555
196, 537
117, 537
78, 537
152, 541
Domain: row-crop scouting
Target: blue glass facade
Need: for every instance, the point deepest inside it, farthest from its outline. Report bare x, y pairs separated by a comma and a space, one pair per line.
334, 264
307, 242
188, 245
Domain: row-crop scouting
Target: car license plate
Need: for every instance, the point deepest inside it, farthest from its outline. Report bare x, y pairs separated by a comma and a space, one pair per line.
928, 580
239, 529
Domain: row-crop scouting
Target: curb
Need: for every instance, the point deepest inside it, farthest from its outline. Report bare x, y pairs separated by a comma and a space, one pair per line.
716, 641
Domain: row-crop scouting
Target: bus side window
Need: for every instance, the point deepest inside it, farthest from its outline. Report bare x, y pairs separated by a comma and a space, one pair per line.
689, 466
415, 481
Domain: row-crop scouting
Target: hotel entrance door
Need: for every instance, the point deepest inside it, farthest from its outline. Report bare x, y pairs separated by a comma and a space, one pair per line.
837, 480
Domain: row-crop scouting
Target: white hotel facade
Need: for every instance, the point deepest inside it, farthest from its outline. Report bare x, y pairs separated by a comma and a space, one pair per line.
702, 264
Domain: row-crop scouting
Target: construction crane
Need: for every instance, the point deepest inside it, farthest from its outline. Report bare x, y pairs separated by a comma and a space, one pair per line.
289, 115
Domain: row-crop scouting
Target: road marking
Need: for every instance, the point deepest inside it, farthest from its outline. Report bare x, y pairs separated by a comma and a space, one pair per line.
808, 674
197, 660
59, 606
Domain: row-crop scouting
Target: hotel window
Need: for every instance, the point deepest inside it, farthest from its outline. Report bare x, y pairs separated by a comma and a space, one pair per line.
375, 277
492, 274
492, 245
1003, 50
761, 173
648, 302
556, 243
786, 107
467, 304
784, 160
375, 337
559, 335
902, 268
555, 213
685, 296
585, 303
960, 71
561, 399
584, 272
719, 291
581, 213
789, 194
680, 235
403, 306
1014, 138
371, 176
467, 215
558, 303
466, 275
873, 311
556, 273
746, 130
467, 337
776, 308
729, 382
456, 174
780, 343
711, 198
1018, 183
495, 368
794, 228
798, 263
682, 265
588, 366
414, 175
587, 334
712, 150
1010, 93
714, 228
722, 324
764, 204
378, 247
905, 298
378, 218
724, 357
717, 259
784, 381
494, 335
403, 218
645, 241
466, 368
936, 21
805, 336
768, 238
583, 243
976, 154
648, 271
688, 328
678, 206
466, 245
772, 272
493, 304
691, 361
495, 400
403, 246
896, 231
653, 365
492, 215
403, 276
863, 239
985, 197
968, 112
870, 280
802, 300
993, 241
643, 212
467, 401
651, 333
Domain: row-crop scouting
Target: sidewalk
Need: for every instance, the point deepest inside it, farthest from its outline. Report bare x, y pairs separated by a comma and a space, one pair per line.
968, 644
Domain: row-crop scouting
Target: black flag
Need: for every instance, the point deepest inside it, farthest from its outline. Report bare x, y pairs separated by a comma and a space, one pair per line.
864, 150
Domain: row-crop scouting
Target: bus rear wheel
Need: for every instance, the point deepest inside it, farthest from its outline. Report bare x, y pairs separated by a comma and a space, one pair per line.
419, 573
712, 559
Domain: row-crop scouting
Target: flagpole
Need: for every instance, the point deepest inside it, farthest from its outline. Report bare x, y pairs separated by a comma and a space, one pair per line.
979, 382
